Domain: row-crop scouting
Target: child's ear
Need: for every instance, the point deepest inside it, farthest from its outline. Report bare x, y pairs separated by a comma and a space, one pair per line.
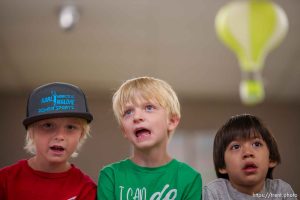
223, 171
30, 133
272, 164
173, 123
81, 135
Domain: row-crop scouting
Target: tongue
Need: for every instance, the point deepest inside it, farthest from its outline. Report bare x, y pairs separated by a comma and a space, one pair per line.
142, 134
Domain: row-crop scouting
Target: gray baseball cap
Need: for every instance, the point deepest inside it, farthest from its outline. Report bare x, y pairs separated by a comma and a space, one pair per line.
56, 100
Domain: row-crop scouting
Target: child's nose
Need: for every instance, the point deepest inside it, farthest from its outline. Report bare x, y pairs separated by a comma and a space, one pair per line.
60, 134
247, 151
138, 116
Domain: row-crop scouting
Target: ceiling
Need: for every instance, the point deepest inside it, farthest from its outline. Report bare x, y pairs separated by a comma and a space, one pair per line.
119, 39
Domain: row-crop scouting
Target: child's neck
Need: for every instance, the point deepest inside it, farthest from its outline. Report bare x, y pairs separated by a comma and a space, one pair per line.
150, 159
38, 165
251, 189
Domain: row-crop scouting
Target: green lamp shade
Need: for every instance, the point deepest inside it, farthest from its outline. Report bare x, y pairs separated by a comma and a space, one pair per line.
251, 29
252, 91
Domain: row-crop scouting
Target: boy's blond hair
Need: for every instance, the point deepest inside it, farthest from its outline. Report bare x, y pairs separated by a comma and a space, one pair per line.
147, 88
30, 146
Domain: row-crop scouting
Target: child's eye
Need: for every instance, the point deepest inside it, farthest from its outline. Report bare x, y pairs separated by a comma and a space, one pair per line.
235, 147
72, 127
127, 112
47, 125
149, 107
257, 144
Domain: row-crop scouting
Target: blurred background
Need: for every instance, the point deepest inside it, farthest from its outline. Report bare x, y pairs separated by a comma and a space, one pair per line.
112, 41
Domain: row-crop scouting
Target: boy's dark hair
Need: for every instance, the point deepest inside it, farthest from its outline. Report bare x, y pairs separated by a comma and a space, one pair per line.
243, 126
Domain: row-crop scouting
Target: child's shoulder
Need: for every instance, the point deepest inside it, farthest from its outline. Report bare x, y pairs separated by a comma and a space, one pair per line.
185, 167
186, 171
14, 167
278, 186
13, 171
218, 183
223, 187
216, 188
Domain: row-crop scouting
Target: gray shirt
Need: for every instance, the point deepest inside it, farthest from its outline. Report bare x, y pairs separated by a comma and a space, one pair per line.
273, 189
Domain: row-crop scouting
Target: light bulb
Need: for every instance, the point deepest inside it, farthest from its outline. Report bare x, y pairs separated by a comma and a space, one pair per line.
68, 17
251, 29
252, 88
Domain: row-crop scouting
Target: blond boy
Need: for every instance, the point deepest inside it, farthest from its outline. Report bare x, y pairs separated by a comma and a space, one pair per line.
148, 112
57, 123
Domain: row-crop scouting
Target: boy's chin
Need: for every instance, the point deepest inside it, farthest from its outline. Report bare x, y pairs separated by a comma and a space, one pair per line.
145, 145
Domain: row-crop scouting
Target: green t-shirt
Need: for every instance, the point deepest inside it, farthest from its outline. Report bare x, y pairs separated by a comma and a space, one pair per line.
125, 180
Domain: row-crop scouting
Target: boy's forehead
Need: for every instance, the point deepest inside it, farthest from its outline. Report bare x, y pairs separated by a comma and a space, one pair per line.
136, 93
251, 136
61, 119
138, 100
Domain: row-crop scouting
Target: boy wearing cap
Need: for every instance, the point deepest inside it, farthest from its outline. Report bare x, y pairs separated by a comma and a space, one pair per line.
148, 112
57, 124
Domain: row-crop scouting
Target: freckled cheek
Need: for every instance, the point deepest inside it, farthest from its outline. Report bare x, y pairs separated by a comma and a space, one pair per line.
125, 126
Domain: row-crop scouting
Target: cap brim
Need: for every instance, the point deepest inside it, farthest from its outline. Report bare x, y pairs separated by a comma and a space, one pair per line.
30, 120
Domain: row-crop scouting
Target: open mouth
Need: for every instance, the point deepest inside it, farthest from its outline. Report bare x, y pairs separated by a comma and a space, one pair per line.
57, 148
250, 168
142, 132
